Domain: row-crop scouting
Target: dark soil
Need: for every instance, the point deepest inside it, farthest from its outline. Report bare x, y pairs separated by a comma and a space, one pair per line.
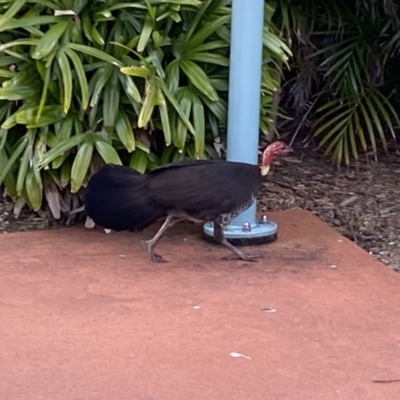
362, 202
26, 221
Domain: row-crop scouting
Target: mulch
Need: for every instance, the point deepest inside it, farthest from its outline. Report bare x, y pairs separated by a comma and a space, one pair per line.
362, 202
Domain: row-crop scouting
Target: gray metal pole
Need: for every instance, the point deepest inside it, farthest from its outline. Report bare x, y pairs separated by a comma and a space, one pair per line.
244, 106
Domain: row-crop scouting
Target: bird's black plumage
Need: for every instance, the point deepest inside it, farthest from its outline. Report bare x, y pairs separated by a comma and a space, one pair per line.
116, 198
203, 189
120, 198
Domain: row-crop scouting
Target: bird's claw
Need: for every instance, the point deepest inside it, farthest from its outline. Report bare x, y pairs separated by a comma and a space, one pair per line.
156, 258
153, 256
244, 257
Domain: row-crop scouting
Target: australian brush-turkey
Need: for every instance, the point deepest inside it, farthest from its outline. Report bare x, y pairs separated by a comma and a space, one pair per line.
120, 198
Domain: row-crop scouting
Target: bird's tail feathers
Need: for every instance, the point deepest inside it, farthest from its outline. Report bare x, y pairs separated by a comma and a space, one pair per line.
116, 198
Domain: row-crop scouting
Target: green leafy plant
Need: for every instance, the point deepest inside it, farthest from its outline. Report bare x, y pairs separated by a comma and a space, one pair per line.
349, 124
136, 83
342, 87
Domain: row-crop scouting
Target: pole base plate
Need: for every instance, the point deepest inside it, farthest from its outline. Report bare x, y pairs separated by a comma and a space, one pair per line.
261, 233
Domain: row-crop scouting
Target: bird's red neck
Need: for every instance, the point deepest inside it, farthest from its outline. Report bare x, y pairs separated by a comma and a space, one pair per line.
266, 162
267, 158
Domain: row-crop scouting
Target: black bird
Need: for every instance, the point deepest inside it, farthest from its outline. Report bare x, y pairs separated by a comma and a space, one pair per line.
120, 198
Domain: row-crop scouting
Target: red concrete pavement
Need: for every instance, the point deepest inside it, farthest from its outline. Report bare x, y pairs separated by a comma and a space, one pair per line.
85, 316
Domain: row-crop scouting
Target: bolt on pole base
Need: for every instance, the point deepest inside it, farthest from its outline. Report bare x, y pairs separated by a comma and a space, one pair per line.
265, 231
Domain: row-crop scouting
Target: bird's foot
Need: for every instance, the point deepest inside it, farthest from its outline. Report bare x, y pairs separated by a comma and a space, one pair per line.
153, 256
244, 257
156, 258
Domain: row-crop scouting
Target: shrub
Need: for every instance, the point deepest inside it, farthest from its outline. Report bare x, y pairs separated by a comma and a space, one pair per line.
344, 79
137, 83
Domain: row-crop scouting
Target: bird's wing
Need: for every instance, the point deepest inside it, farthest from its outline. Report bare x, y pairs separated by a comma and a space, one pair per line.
220, 186
185, 163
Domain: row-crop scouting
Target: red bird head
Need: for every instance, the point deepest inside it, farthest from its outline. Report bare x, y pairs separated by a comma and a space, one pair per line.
273, 150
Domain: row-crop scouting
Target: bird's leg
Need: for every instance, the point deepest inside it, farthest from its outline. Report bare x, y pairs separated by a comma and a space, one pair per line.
237, 254
151, 244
